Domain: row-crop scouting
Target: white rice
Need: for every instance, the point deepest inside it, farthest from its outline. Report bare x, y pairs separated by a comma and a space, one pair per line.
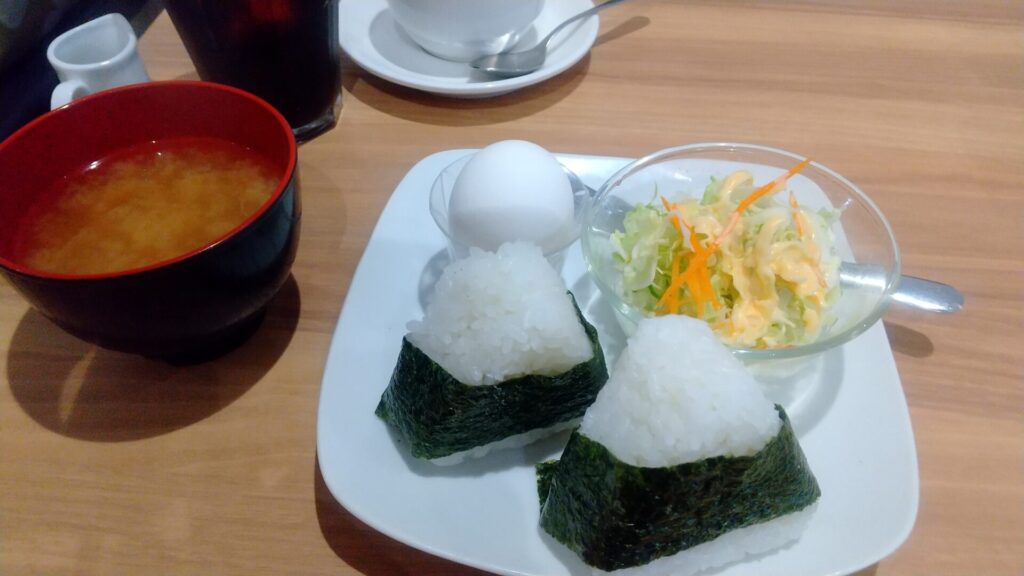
677, 395
496, 316
515, 441
728, 548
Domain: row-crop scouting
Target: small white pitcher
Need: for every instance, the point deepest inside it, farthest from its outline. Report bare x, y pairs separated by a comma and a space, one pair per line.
100, 54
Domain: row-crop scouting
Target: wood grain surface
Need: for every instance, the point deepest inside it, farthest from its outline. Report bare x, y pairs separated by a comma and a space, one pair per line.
112, 464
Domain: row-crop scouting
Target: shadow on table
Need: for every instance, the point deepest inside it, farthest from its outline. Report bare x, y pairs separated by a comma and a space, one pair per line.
370, 552
628, 27
906, 340
80, 390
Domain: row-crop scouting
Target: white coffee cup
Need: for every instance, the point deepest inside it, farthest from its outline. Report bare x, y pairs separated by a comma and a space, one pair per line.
462, 30
100, 54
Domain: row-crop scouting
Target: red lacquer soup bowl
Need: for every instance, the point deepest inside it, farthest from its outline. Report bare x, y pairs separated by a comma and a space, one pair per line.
193, 305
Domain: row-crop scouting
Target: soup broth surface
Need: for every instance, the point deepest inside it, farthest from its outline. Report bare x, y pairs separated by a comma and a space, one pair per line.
144, 205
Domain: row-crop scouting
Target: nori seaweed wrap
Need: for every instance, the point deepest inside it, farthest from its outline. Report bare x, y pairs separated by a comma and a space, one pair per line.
681, 463
614, 515
502, 357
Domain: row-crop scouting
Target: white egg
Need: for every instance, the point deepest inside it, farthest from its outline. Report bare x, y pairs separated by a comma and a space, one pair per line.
512, 190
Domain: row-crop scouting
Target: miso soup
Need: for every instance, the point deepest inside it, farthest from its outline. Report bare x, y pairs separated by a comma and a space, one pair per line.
143, 205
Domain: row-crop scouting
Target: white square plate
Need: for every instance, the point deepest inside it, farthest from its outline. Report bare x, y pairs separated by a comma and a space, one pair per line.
847, 408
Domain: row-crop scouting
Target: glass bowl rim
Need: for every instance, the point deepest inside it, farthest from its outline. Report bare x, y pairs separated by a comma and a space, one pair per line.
831, 341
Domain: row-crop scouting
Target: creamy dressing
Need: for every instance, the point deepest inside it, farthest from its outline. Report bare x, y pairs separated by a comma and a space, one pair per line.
775, 270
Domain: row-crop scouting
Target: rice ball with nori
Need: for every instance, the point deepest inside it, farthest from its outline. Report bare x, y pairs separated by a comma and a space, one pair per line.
502, 357
681, 464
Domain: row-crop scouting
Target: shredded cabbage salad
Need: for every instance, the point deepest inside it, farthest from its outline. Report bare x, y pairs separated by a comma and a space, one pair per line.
762, 273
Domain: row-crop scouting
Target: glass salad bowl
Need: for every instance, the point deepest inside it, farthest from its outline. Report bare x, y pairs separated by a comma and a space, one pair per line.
865, 249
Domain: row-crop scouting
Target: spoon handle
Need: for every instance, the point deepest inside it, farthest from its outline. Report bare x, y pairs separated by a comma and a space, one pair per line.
583, 14
928, 295
912, 291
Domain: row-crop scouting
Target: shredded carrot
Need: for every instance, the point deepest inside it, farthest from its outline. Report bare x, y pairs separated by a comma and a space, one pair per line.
673, 291
697, 276
707, 253
671, 207
694, 243
669, 301
715, 302
675, 223
757, 194
797, 219
733, 219
702, 281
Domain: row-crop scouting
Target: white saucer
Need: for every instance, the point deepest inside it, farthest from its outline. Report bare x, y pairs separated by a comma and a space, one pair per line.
372, 38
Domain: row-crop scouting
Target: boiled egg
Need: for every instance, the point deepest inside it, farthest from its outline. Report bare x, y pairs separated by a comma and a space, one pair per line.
512, 191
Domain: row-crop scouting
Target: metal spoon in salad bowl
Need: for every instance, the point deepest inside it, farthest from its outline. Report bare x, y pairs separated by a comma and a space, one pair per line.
512, 64
912, 292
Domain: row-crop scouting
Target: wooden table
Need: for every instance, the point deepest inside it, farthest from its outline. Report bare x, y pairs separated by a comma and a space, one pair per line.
111, 464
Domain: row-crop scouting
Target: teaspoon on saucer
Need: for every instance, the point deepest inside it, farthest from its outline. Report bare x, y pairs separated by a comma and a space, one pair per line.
512, 64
